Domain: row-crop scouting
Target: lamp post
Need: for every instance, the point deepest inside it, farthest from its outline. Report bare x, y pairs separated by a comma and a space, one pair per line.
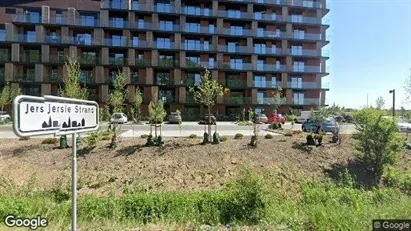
393, 102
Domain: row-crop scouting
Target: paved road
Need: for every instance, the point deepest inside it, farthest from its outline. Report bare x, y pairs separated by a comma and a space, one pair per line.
187, 128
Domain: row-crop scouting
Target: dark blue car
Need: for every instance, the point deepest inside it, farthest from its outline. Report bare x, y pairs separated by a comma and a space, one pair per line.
330, 125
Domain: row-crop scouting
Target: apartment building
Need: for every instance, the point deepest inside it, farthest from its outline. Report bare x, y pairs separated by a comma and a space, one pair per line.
252, 47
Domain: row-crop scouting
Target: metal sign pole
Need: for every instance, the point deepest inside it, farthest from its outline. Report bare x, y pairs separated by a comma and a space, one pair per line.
74, 185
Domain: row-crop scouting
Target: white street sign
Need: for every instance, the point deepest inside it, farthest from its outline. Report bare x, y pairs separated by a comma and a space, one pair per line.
35, 116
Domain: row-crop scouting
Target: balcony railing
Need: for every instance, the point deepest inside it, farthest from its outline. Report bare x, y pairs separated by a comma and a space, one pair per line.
143, 62
52, 78
232, 49
267, 17
233, 14
196, 47
229, 31
114, 5
311, 69
164, 8
237, 100
30, 58
237, 66
307, 36
2, 77
267, 84
304, 52
164, 81
86, 79
57, 59
304, 19
303, 85
167, 63
134, 79
118, 24
168, 99
265, 100
25, 38
115, 42
161, 45
4, 57
88, 59
272, 34
267, 50
78, 40
199, 29
175, 28
144, 25
25, 78
52, 39
236, 84
270, 67
117, 61
197, 12
138, 43
307, 101
26, 18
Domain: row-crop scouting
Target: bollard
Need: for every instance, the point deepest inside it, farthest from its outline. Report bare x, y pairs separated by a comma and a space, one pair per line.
63, 142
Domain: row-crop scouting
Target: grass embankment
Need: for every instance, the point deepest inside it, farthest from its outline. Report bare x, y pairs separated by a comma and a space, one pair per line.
274, 202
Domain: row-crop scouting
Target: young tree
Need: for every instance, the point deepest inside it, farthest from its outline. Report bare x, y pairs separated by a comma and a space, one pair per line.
379, 103
138, 100
72, 88
207, 93
277, 100
116, 100
157, 113
378, 140
5, 96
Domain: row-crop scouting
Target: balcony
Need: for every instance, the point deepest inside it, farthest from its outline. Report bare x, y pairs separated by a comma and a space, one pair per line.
26, 18
167, 63
305, 3
190, 99
2, 76
307, 101
197, 11
164, 8
87, 22
173, 28
236, 84
162, 45
4, 56
168, 99
30, 58
266, 84
25, 78
265, 100
267, 17
78, 40
199, 29
118, 23
304, 19
57, 59
118, 61
310, 69
116, 4
143, 62
272, 34
52, 39
88, 60
115, 42
235, 32
52, 79
160, 81
28, 38
270, 67
196, 47
141, 7
304, 52
237, 100
268, 50
233, 49
138, 43
134, 79
2, 35
144, 25
86, 79
303, 85
307, 36
237, 66
233, 14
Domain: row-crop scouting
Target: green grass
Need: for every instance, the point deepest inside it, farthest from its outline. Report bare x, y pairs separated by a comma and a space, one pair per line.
247, 201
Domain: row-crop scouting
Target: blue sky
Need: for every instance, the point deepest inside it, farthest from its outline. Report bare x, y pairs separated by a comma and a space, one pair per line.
370, 51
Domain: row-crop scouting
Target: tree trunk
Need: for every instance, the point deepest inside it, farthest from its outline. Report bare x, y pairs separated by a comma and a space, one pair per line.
209, 122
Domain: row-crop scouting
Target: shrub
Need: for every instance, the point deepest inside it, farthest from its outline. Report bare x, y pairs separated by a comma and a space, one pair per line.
92, 139
273, 126
238, 136
50, 141
310, 140
297, 132
268, 136
279, 125
192, 136
288, 134
377, 140
105, 138
290, 118
223, 138
144, 136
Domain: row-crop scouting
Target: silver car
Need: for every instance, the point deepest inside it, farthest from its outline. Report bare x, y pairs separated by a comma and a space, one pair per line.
174, 118
118, 118
260, 119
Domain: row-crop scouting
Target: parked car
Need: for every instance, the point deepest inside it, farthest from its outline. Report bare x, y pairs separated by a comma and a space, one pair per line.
260, 119
276, 118
118, 118
206, 119
348, 117
403, 125
4, 117
174, 118
339, 118
329, 125
304, 115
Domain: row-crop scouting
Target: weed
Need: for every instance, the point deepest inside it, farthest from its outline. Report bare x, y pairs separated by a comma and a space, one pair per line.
50, 141
238, 136
192, 136
223, 138
24, 138
268, 136
288, 134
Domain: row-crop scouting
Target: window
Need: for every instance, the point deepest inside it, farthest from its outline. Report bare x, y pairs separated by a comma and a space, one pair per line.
260, 32
194, 60
166, 96
260, 48
259, 81
206, 45
298, 34
298, 98
193, 10
33, 17
298, 66
296, 82
135, 41
83, 39
260, 97
166, 25
260, 64
211, 28
234, 13
296, 18
116, 4
231, 46
211, 63
163, 7
2, 35
134, 77
135, 5
117, 40
236, 30
117, 22
236, 63
162, 78
278, 64
193, 27
296, 50
193, 79
87, 20
31, 36
86, 76
192, 44
163, 43
32, 90
141, 23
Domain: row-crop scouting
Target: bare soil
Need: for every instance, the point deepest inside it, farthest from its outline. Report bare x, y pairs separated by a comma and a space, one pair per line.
181, 164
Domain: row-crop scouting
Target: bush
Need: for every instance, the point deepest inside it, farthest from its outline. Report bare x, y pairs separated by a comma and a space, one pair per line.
92, 139
192, 136
144, 136
268, 136
288, 134
290, 118
50, 141
223, 138
297, 132
105, 138
238, 136
310, 140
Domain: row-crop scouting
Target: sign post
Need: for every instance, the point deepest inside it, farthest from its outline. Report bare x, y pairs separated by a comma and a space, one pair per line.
37, 116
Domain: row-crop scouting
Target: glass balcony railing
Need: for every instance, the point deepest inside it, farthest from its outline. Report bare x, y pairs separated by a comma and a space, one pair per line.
4, 56
199, 29
196, 47
306, 101
138, 43
232, 31
114, 4
86, 79
197, 11
236, 84
164, 8
237, 100
304, 52
237, 66
52, 39
168, 99
26, 18
144, 25
118, 23
88, 59
305, 3
164, 81
117, 61
190, 100
266, 84
233, 14
25, 78
164, 45
311, 69
167, 63
2, 35
267, 17
78, 40
175, 28
2, 76
93, 22
134, 79
267, 50
233, 49
308, 36
303, 85
57, 59
272, 34
143, 62
141, 7
115, 42
30, 58
304, 19
270, 67
28, 38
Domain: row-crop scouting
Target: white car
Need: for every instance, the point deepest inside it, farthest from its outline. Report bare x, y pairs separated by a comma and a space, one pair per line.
4, 117
118, 118
403, 125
